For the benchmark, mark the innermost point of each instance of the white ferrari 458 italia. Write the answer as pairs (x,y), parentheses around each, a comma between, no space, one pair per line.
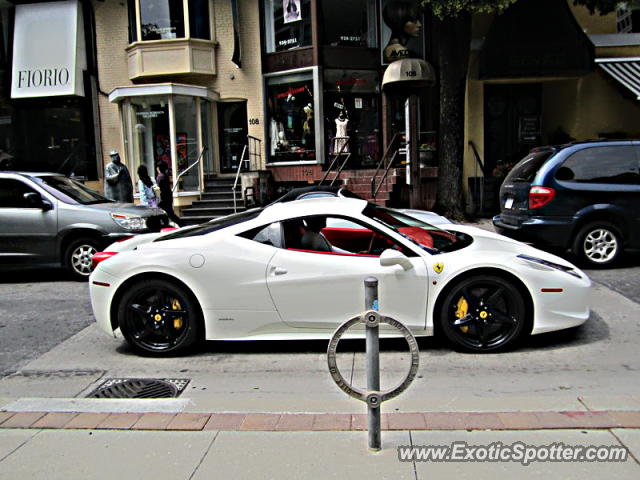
(296,270)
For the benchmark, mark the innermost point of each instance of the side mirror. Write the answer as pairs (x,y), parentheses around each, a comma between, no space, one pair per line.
(34,200)
(391,257)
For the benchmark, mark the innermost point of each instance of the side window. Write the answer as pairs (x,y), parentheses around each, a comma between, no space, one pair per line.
(335,235)
(268,235)
(12,193)
(615,164)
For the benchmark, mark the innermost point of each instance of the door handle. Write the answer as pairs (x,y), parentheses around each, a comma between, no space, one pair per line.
(278,270)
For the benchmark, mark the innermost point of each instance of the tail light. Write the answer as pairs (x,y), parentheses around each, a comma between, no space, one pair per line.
(540,196)
(101,257)
(167,229)
(124,239)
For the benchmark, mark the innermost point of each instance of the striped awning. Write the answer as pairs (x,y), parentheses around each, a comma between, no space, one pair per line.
(626,71)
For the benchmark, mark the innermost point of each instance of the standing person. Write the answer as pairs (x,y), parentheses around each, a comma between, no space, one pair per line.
(166,195)
(117,180)
(145,187)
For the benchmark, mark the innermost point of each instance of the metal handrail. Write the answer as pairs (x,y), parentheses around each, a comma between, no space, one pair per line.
(375,189)
(177,180)
(336,158)
(235,183)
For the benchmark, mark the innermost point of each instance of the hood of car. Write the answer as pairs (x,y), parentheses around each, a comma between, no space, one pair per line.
(126,208)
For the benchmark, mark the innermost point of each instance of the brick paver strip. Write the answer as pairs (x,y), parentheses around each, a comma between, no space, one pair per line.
(54,420)
(519,420)
(189,421)
(225,421)
(153,421)
(325,421)
(260,421)
(295,422)
(119,421)
(87,420)
(4,416)
(22,420)
(406,421)
(332,421)
(626,419)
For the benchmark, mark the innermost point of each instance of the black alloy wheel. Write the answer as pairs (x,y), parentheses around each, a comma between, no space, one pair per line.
(483,313)
(159,317)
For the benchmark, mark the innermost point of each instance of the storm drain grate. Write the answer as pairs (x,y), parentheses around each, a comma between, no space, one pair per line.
(140,388)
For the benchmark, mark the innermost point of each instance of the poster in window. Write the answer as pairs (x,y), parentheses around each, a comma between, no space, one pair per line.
(401,23)
(291,10)
(181,147)
(163,149)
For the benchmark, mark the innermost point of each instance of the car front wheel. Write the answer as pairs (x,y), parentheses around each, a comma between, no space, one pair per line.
(77,257)
(483,313)
(598,244)
(159,317)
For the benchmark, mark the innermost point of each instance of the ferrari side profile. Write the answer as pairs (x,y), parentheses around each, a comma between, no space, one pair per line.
(295,270)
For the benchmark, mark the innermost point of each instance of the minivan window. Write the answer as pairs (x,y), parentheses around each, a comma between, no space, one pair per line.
(526,169)
(611,164)
(12,193)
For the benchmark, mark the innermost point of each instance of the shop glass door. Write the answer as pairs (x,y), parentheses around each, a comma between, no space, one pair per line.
(232,124)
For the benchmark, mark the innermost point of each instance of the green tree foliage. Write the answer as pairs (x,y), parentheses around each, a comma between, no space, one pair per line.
(451,8)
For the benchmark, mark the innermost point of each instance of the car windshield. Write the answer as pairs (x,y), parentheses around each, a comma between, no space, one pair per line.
(213,225)
(65,188)
(425,235)
(526,169)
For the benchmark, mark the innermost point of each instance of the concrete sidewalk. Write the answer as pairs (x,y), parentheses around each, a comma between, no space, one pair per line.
(96,445)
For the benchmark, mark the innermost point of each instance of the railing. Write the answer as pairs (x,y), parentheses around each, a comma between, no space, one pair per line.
(344,143)
(254,149)
(181,174)
(394,146)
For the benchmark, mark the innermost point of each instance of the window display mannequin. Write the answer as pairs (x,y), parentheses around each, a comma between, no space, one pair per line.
(308,121)
(341,144)
(403,18)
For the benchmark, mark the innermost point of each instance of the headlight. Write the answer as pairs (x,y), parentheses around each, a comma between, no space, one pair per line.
(129,222)
(547,263)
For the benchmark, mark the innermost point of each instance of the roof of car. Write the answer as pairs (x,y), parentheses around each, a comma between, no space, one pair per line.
(31,174)
(313,206)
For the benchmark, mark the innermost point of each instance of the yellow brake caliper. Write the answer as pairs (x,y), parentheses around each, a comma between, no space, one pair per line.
(177,322)
(461,312)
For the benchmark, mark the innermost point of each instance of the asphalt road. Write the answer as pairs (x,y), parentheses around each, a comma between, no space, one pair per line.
(42,308)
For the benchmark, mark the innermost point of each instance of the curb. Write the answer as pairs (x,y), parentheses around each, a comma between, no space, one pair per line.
(313,422)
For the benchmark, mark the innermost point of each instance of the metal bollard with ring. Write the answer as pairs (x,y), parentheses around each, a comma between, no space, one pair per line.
(373,397)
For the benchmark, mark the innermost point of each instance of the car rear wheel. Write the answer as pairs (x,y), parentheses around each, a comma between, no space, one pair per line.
(483,313)
(598,244)
(77,257)
(159,317)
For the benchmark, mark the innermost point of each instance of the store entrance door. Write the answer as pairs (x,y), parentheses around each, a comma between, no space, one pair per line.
(232,124)
(512,122)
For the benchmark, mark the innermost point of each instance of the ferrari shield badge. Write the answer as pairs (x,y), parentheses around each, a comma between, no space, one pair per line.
(438,267)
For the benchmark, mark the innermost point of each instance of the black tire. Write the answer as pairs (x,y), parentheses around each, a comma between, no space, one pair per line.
(598,244)
(77,257)
(159,317)
(493,318)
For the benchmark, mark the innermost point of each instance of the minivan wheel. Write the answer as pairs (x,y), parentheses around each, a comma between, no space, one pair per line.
(598,244)
(77,257)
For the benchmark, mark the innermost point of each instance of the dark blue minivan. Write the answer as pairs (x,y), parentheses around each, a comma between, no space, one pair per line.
(583,196)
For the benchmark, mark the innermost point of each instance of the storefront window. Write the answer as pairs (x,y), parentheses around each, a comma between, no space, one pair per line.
(288,24)
(187,141)
(166,19)
(150,142)
(292,134)
(351,108)
(348,23)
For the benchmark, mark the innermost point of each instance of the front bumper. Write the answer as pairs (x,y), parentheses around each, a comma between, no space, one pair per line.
(544,231)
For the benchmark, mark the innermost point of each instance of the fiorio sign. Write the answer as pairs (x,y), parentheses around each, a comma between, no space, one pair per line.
(48,50)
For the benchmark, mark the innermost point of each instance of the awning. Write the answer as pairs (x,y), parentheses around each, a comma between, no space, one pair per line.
(120,93)
(626,71)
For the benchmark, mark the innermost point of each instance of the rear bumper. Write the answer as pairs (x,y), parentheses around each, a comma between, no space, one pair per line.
(550,232)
